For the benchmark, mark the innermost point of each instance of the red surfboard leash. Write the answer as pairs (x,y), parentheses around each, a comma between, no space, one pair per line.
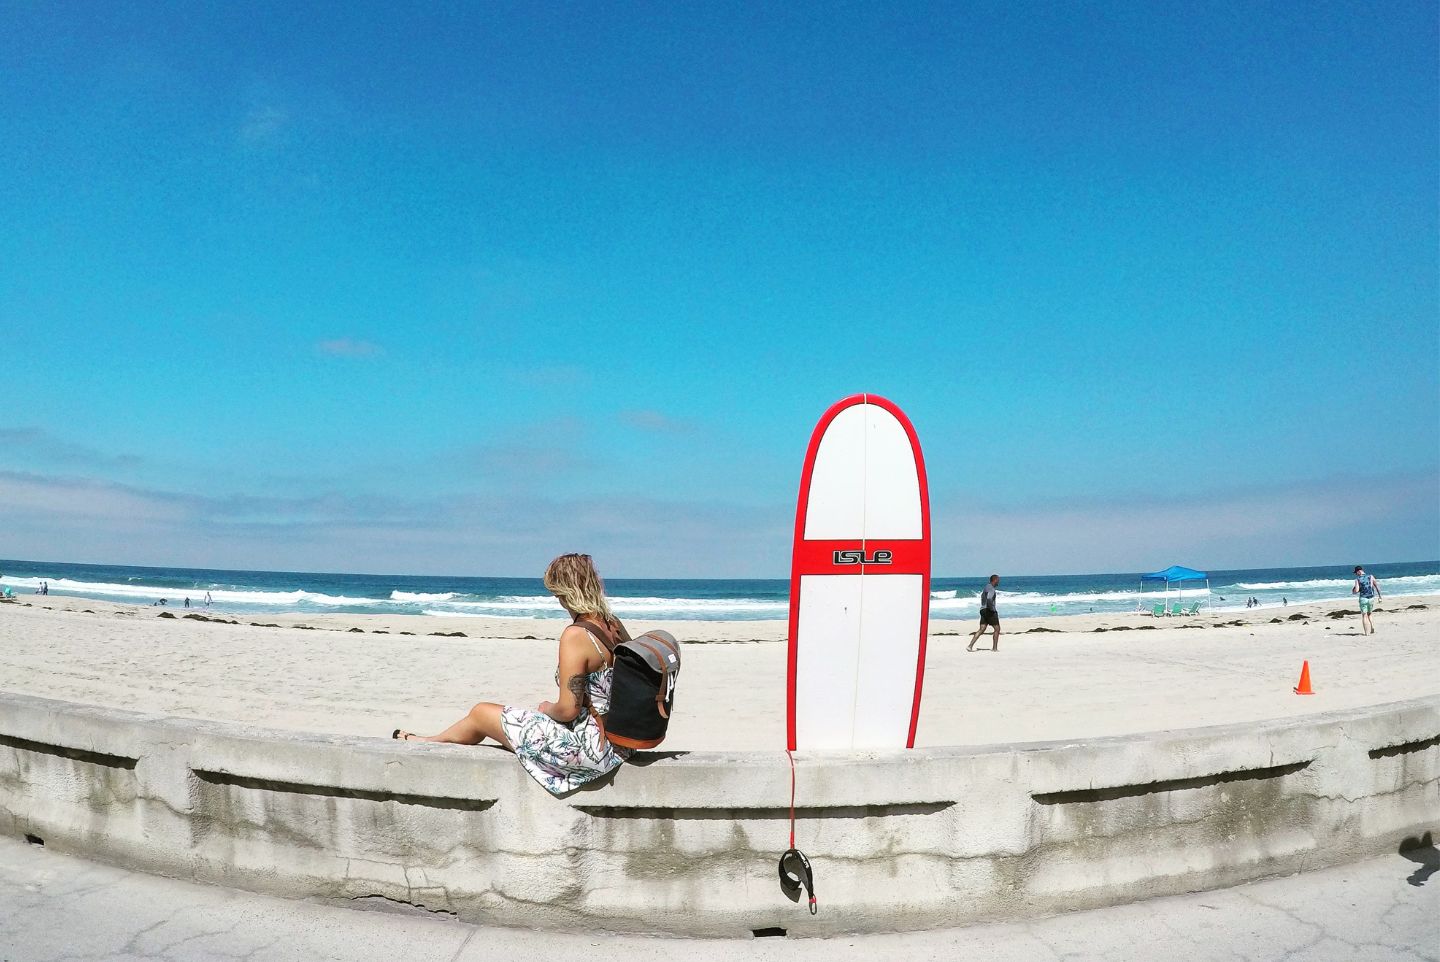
(790,755)
(795,869)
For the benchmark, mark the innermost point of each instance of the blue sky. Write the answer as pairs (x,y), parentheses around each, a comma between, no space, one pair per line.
(454,288)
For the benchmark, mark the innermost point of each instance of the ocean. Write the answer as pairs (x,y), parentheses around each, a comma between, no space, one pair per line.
(254,592)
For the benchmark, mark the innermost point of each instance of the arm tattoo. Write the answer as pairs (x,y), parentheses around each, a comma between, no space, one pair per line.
(576,684)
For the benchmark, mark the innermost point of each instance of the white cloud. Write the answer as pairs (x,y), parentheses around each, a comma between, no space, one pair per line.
(72,519)
(1391,518)
(515,530)
(45,447)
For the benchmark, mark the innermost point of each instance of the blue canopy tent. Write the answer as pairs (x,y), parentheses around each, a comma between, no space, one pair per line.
(1176,575)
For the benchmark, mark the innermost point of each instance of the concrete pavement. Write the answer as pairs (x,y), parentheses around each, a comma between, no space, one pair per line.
(55,908)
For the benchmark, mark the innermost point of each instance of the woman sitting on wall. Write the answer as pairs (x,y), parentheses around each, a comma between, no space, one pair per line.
(560,743)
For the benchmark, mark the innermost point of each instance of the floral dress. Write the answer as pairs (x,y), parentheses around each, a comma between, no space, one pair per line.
(562,756)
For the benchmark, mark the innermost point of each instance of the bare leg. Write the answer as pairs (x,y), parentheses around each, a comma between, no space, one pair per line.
(481,722)
(995,645)
(975,637)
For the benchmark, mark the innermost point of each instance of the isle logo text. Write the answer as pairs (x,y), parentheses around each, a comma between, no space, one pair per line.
(856,556)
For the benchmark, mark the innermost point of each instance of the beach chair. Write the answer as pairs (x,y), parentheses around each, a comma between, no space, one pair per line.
(1177,611)
(1159,611)
(1194,609)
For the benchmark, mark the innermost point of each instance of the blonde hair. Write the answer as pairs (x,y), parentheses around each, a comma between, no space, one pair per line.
(573,579)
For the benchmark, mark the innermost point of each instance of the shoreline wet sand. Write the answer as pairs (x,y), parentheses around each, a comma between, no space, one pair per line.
(1057,677)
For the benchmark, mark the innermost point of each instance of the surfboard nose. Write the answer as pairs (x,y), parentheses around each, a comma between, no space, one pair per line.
(865,480)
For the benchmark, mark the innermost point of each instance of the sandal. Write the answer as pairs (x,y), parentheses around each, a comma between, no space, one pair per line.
(401,735)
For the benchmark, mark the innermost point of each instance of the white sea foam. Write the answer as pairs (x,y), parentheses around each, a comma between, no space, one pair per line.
(641,605)
(1293,585)
(1410,584)
(624,604)
(1037,598)
(524,606)
(336,600)
(947,603)
(222,595)
(1079,597)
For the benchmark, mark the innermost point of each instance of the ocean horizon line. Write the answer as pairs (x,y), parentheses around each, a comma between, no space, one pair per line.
(1347,565)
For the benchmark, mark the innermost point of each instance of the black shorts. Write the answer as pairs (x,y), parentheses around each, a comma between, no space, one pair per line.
(989,616)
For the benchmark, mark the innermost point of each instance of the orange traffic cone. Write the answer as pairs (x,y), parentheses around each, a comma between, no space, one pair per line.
(1304,686)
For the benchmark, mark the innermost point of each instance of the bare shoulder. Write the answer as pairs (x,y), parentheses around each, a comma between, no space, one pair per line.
(574,635)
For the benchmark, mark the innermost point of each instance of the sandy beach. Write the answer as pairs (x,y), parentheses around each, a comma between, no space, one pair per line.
(1072,677)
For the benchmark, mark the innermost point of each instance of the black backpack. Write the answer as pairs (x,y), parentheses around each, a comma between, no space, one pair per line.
(642,688)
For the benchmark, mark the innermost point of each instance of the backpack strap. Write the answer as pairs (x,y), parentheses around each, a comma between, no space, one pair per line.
(609,645)
(606,636)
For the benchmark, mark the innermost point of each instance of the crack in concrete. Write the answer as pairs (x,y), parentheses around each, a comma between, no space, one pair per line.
(405,902)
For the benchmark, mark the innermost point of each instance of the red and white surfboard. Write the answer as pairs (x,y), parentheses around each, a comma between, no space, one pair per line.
(859,581)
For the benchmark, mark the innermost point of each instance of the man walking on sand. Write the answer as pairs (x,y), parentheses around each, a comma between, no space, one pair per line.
(989,617)
(1369,591)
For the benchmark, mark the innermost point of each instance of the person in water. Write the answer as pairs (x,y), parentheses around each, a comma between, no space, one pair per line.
(1369,591)
(560,743)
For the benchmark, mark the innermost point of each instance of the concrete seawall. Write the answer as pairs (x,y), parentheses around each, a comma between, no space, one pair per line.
(687,843)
